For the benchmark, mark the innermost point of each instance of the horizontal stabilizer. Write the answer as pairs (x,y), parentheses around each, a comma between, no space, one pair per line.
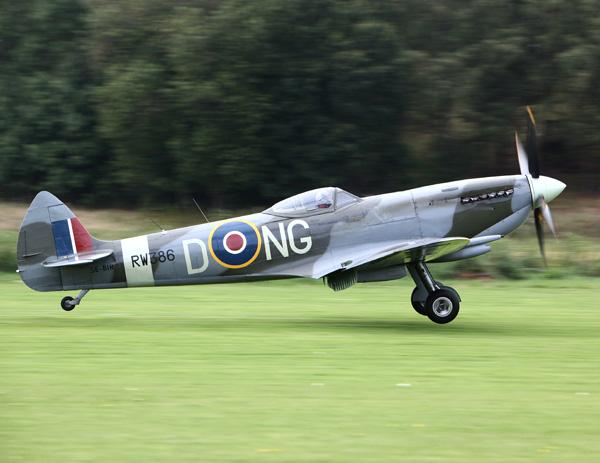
(77,259)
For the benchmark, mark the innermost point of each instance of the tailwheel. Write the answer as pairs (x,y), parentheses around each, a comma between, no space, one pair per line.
(442,305)
(67,303)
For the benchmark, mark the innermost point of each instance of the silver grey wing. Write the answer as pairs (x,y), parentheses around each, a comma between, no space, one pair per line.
(388,254)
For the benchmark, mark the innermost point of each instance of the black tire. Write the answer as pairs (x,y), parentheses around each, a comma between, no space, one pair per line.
(442,305)
(449,288)
(417,305)
(64,303)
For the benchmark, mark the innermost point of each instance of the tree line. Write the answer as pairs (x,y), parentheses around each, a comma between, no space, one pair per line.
(240,103)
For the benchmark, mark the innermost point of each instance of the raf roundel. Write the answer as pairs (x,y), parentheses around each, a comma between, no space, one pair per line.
(235,244)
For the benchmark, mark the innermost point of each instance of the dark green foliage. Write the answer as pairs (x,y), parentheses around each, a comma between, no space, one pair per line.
(241,103)
(8,261)
(47,137)
(508,268)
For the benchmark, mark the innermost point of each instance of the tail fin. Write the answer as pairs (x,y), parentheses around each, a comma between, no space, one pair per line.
(50,236)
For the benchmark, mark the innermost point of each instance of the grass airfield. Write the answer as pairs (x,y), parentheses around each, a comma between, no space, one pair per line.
(289,371)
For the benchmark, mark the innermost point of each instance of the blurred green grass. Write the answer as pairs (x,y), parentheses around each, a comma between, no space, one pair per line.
(291,372)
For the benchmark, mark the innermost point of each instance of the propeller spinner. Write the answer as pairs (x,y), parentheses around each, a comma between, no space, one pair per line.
(543,189)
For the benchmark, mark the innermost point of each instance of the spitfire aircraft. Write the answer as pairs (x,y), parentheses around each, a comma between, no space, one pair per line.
(324,233)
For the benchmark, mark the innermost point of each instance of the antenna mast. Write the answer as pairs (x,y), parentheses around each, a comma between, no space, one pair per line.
(200,209)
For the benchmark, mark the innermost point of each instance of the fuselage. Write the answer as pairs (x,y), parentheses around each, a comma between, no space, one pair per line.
(273,245)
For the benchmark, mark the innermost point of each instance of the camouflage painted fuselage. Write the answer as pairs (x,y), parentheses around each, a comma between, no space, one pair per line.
(274,245)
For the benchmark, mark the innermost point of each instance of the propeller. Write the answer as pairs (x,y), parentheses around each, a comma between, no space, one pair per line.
(544,189)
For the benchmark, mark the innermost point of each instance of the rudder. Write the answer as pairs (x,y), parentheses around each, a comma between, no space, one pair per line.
(49,230)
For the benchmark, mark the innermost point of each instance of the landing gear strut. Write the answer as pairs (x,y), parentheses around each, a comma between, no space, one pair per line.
(431,298)
(68,303)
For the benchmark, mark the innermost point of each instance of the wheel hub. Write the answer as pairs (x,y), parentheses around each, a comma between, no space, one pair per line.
(442,306)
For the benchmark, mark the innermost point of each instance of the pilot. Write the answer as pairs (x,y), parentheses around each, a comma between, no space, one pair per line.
(323,200)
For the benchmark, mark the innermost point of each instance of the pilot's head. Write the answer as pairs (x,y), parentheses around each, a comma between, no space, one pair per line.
(323,200)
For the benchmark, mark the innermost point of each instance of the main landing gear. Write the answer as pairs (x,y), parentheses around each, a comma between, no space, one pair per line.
(68,303)
(431,298)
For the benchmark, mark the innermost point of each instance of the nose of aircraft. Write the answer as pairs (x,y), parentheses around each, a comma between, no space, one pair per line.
(547,187)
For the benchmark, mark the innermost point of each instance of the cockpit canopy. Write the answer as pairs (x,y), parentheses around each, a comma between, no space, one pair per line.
(313,202)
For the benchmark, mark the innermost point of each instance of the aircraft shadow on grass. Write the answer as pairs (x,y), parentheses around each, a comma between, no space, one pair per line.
(265,326)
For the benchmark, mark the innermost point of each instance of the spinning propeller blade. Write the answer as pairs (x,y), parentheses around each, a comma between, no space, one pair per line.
(544,189)
(522,155)
(547,215)
(532,145)
(539,229)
